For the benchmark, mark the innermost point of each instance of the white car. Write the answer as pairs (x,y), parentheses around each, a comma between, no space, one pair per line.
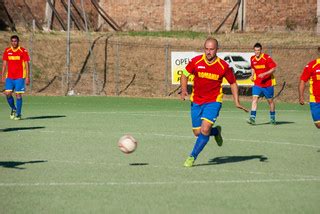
(240,67)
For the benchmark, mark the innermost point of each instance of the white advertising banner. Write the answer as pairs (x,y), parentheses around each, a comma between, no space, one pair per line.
(239,63)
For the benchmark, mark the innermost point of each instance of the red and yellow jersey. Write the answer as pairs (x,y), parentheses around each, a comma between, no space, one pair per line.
(312,72)
(208,78)
(16,59)
(260,65)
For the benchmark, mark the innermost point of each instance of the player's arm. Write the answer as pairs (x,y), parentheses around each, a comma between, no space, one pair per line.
(235,94)
(302,86)
(184,85)
(252,74)
(267,73)
(27,72)
(4,68)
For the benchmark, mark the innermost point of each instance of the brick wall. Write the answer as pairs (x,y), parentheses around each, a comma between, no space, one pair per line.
(195,15)
(206,15)
(262,15)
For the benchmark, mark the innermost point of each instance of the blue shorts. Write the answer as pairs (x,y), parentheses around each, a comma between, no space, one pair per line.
(207,111)
(16,85)
(268,92)
(315,112)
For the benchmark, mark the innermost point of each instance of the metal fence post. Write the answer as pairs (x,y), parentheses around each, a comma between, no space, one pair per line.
(167,46)
(31,54)
(117,69)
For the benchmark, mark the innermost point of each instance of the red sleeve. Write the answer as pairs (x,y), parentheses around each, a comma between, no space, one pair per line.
(190,66)
(271,63)
(306,74)
(229,75)
(25,55)
(251,62)
(5,55)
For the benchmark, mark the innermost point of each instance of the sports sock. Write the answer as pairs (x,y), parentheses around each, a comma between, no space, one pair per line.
(201,142)
(214,131)
(253,114)
(272,115)
(19,106)
(10,101)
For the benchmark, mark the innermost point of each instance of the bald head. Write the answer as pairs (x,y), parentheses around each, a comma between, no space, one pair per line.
(210,49)
(211,40)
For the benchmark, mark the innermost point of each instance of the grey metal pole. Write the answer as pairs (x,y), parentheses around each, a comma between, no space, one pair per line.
(31,54)
(68,47)
(167,69)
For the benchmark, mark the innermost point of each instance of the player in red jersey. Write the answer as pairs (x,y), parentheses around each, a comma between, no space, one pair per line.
(206,98)
(312,73)
(263,68)
(15,74)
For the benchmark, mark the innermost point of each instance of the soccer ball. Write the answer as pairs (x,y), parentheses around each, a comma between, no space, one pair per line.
(127,144)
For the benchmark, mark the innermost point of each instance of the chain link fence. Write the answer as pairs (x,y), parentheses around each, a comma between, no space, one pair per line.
(132,66)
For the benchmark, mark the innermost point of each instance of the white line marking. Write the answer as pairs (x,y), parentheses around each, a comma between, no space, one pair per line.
(234,139)
(192,137)
(182,168)
(133,183)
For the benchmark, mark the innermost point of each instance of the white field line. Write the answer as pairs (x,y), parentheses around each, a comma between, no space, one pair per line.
(159,112)
(154,183)
(192,137)
(235,139)
(183,168)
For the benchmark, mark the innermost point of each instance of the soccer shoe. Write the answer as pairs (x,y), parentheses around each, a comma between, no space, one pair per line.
(251,121)
(218,137)
(189,162)
(18,117)
(12,114)
(273,121)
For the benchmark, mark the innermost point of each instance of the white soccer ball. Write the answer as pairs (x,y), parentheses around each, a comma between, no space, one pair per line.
(127,144)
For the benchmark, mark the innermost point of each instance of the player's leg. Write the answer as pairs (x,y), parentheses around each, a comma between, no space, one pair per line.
(256,91)
(269,94)
(197,126)
(19,106)
(210,114)
(200,143)
(20,89)
(9,87)
(315,113)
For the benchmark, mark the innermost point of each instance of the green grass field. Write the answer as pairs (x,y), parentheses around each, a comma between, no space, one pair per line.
(63,158)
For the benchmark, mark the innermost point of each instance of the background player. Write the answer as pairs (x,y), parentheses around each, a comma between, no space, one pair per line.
(206,98)
(263,68)
(16,59)
(312,72)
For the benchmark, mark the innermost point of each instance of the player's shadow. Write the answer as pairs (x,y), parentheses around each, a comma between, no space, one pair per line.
(233,159)
(277,123)
(138,164)
(17,164)
(44,117)
(21,128)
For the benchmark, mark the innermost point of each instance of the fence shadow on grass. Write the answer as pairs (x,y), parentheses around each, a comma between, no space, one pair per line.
(44,117)
(17,164)
(233,159)
(20,128)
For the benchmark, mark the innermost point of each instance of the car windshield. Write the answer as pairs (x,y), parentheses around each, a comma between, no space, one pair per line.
(238,59)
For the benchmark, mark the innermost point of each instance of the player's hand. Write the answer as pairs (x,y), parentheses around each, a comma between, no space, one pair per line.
(301,100)
(239,106)
(27,81)
(261,75)
(183,95)
(252,78)
(3,79)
